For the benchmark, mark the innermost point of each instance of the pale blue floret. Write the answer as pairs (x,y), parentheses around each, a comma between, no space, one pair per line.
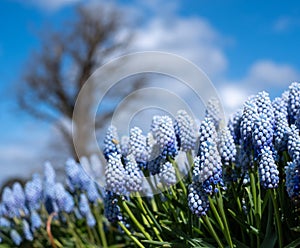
(63,199)
(184,127)
(15,236)
(4,222)
(115,174)
(26,230)
(213,111)
(268,171)
(138,146)
(167,174)
(133,178)
(293,102)
(208,167)
(35,220)
(34,192)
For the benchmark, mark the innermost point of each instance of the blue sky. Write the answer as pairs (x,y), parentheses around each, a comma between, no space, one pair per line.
(244,46)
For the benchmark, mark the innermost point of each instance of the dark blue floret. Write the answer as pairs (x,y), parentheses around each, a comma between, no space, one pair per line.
(197,199)
(234,125)
(111,209)
(111,142)
(292,171)
(293,102)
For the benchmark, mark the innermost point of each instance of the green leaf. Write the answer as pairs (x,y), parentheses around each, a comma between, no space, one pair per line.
(294,244)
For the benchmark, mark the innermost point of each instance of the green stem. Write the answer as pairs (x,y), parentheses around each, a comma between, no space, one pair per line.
(134,239)
(99,219)
(136,222)
(211,229)
(277,218)
(221,209)
(215,211)
(179,177)
(140,203)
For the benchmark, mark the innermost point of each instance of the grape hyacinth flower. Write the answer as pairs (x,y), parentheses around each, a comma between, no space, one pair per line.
(164,134)
(19,196)
(294,143)
(247,123)
(162,143)
(279,107)
(49,181)
(92,191)
(78,179)
(213,111)
(34,192)
(111,142)
(133,178)
(207,131)
(15,236)
(115,174)
(63,198)
(90,219)
(111,209)
(185,131)
(35,220)
(26,230)
(85,210)
(292,171)
(293,102)
(264,106)
(227,148)
(208,167)
(281,132)
(138,146)
(4,222)
(268,171)
(234,124)
(124,145)
(197,199)
(167,174)
(244,162)
(262,133)
(9,202)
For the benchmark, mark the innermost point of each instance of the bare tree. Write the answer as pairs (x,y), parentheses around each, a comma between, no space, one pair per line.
(68,56)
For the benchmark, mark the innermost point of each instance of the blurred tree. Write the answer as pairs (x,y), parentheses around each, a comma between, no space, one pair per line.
(68,56)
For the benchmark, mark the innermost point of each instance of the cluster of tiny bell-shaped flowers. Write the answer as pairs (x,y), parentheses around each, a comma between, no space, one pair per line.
(141,154)
(207,176)
(27,203)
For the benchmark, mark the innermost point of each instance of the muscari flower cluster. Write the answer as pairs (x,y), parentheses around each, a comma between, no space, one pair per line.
(142,155)
(21,208)
(207,170)
(255,138)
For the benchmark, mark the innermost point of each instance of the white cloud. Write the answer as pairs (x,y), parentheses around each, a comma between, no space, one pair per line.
(192,38)
(232,97)
(262,75)
(269,73)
